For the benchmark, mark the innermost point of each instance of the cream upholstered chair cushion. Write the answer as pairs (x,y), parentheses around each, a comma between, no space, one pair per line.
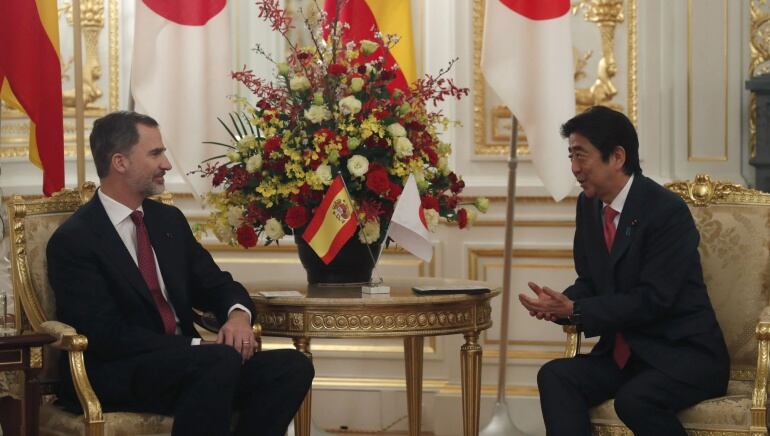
(54,422)
(734,225)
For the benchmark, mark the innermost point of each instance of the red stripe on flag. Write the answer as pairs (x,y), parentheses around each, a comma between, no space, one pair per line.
(363,25)
(538,9)
(29,62)
(187,12)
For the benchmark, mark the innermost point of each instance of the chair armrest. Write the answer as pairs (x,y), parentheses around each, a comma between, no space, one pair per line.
(759,396)
(573,340)
(74,344)
(257,329)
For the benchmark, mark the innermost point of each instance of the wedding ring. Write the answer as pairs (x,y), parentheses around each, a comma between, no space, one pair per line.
(246,342)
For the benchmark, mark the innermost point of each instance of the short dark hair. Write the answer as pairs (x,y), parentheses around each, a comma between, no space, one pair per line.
(606,129)
(115,133)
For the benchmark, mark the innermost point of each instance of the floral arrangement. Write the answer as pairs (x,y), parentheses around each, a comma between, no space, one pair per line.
(332,110)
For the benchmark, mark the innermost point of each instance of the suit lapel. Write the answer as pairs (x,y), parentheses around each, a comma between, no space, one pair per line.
(113,247)
(628,220)
(597,230)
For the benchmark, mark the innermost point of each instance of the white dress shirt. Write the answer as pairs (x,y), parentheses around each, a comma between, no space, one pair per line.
(120,217)
(620,200)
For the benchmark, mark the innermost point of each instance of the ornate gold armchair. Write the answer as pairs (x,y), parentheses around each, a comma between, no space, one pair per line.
(32,223)
(734,224)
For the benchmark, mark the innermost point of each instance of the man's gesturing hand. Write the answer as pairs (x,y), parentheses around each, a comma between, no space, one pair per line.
(237,333)
(549,304)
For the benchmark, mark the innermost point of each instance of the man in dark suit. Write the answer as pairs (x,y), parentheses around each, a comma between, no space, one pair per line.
(639,287)
(127,272)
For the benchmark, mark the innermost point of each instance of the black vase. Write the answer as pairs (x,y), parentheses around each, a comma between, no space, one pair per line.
(353,263)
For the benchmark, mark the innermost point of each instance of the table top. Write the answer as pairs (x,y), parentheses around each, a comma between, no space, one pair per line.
(351,295)
(344,311)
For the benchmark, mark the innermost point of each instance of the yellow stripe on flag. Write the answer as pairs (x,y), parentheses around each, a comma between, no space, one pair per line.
(395,17)
(332,224)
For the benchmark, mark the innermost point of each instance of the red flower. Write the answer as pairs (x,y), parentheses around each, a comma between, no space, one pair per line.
(271,145)
(246,236)
(263,104)
(457,186)
(377,179)
(296,217)
(393,192)
(256,214)
(337,69)
(462,218)
(219,175)
(432,155)
(429,202)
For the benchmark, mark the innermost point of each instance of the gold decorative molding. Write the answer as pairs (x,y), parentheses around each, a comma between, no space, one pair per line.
(703,192)
(759,46)
(36,357)
(606,14)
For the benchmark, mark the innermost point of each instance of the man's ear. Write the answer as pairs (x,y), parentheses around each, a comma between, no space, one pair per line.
(119,163)
(619,157)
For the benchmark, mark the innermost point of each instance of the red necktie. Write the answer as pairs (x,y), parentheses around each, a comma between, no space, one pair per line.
(146,260)
(621,352)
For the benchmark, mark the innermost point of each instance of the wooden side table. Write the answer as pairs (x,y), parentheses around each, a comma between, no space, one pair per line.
(343,312)
(25,353)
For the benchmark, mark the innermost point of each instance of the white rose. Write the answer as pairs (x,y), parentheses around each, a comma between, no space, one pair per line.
(324,173)
(316,114)
(235,216)
(443,165)
(234,156)
(246,143)
(350,105)
(274,229)
(356,84)
(358,165)
(369,233)
(368,47)
(224,232)
(396,130)
(254,163)
(431,218)
(299,83)
(403,146)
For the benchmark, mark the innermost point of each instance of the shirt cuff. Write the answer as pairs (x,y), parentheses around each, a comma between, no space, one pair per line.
(241,307)
(195,341)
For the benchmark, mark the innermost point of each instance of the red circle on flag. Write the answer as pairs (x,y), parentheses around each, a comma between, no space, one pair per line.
(539,9)
(187,12)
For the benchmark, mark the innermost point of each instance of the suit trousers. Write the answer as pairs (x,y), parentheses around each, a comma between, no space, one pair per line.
(646,400)
(201,386)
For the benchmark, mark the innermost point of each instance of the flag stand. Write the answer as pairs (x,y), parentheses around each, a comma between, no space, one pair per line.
(501,423)
(79,103)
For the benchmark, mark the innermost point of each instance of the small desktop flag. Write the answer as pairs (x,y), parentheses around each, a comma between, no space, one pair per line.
(408,227)
(333,223)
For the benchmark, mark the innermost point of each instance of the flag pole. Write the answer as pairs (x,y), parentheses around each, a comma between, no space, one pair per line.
(501,423)
(79,105)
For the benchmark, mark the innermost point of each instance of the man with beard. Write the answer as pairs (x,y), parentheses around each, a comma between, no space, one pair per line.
(639,287)
(127,273)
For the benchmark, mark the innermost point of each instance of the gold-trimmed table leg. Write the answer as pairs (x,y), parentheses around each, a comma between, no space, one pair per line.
(470,366)
(302,418)
(413,346)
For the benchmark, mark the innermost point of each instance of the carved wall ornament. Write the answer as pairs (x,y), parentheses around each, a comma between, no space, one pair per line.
(759,46)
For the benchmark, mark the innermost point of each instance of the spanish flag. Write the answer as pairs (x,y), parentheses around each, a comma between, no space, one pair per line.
(333,223)
(30,80)
(366,17)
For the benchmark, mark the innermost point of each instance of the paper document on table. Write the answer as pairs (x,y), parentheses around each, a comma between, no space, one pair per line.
(273,294)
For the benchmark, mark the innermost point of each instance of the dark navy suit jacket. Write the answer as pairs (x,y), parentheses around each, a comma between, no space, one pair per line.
(649,287)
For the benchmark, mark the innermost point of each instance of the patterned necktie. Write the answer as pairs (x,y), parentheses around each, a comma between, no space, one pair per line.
(146,260)
(621,351)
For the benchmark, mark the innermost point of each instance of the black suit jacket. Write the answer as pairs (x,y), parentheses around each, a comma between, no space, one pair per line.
(649,287)
(100,291)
